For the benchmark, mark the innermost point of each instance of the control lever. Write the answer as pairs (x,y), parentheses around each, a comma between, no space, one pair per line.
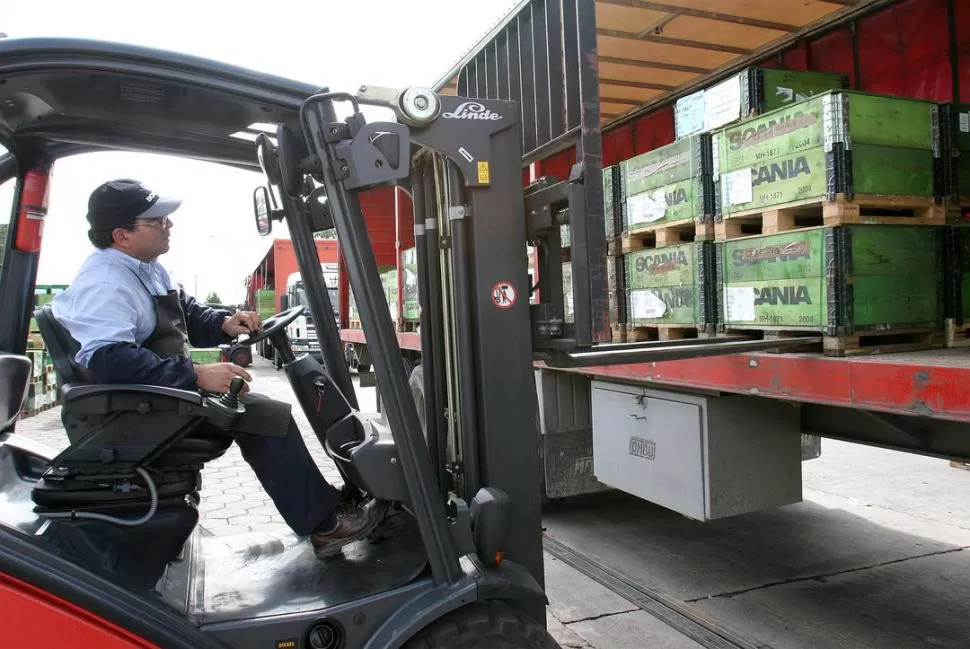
(226,408)
(231,399)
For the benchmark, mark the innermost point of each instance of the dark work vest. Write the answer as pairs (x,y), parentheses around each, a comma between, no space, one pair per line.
(170,338)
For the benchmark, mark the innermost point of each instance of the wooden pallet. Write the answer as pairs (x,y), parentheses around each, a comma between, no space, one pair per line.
(956,335)
(867,209)
(857,344)
(663,235)
(354,324)
(409,326)
(640,333)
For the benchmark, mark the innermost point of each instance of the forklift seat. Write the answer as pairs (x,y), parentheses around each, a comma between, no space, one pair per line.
(115,429)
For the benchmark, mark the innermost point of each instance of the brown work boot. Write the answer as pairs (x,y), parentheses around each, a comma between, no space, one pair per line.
(354,522)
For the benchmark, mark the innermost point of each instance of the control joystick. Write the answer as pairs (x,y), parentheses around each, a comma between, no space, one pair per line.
(231,399)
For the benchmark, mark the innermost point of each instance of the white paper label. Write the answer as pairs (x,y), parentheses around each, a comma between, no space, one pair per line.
(722,103)
(737,187)
(647,305)
(787,95)
(646,207)
(689,114)
(740,303)
(965,122)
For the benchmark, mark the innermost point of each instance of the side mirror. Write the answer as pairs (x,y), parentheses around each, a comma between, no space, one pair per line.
(264,221)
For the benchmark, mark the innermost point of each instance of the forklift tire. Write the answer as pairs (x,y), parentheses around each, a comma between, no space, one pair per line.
(483,626)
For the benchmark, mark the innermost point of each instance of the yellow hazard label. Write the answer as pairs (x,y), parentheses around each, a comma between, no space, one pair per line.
(483,172)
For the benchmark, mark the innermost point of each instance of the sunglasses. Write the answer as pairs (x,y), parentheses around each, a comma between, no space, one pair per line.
(156,224)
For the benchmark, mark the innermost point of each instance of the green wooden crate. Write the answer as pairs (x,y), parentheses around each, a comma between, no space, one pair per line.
(954,123)
(613,204)
(409,262)
(753,91)
(206,355)
(266,303)
(834,280)
(957,271)
(672,286)
(837,142)
(616,286)
(667,185)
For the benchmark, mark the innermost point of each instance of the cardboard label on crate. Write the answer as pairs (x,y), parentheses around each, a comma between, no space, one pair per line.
(737,187)
(784,303)
(797,254)
(722,102)
(689,114)
(965,122)
(646,207)
(739,302)
(775,135)
(668,164)
(781,181)
(646,304)
(673,266)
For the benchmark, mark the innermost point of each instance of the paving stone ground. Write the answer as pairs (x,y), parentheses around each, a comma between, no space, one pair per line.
(232,498)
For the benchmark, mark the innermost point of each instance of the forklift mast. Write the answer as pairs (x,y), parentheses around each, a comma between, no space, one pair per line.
(462,165)
(461,161)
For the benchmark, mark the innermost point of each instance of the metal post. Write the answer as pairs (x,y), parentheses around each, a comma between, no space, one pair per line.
(459,217)
(318,298)
(319,117)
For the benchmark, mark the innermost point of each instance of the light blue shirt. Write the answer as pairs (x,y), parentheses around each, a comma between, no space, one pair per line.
(108,304)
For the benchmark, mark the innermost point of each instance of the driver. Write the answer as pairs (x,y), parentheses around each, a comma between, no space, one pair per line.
(133,326)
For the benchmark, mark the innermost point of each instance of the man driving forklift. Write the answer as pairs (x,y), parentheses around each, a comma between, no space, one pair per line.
(133,326)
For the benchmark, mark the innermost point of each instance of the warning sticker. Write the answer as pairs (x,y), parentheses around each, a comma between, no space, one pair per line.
(483,172)
(503,295)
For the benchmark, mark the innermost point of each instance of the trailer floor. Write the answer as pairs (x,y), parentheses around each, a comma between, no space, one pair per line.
(874,557)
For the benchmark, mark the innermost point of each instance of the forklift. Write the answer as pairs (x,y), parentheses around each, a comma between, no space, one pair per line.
(100,543)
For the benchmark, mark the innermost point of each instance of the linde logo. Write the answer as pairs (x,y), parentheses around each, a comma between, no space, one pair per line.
(645,448)
(472,110)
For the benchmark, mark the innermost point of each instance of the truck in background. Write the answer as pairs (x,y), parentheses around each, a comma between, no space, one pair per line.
(302,332)
(275,283)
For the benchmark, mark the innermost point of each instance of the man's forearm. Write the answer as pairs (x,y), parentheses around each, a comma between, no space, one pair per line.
(204,324)
(128,363)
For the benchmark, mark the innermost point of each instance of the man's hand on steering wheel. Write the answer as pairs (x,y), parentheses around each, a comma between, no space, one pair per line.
(242,322)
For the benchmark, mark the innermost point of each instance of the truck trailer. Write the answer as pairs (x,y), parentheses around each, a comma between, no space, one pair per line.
(275,282)
(735,167)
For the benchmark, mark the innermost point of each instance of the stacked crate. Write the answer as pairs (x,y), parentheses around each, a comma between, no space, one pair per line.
(751,92)
(266,303)
(668,203)
(955,130)
(830,223)
(411,313)
(42,391)
(614,209)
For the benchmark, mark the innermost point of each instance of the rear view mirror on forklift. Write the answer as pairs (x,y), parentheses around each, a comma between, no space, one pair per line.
(261,209)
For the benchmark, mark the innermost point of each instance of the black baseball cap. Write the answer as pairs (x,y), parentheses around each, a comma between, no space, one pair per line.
(117,203)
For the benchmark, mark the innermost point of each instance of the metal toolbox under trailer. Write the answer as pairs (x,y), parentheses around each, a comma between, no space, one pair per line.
(703,457)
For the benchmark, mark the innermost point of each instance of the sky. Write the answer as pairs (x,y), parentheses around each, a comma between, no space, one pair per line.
(343,45)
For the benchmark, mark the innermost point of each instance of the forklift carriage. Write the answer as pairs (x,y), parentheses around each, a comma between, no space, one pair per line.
(107,530)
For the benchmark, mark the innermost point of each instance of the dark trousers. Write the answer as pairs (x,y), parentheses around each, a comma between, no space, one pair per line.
(285,468)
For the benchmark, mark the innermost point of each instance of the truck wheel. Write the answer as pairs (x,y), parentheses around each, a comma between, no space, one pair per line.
(483,626)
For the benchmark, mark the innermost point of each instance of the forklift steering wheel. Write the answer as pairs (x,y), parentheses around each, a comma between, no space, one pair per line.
(274,324)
